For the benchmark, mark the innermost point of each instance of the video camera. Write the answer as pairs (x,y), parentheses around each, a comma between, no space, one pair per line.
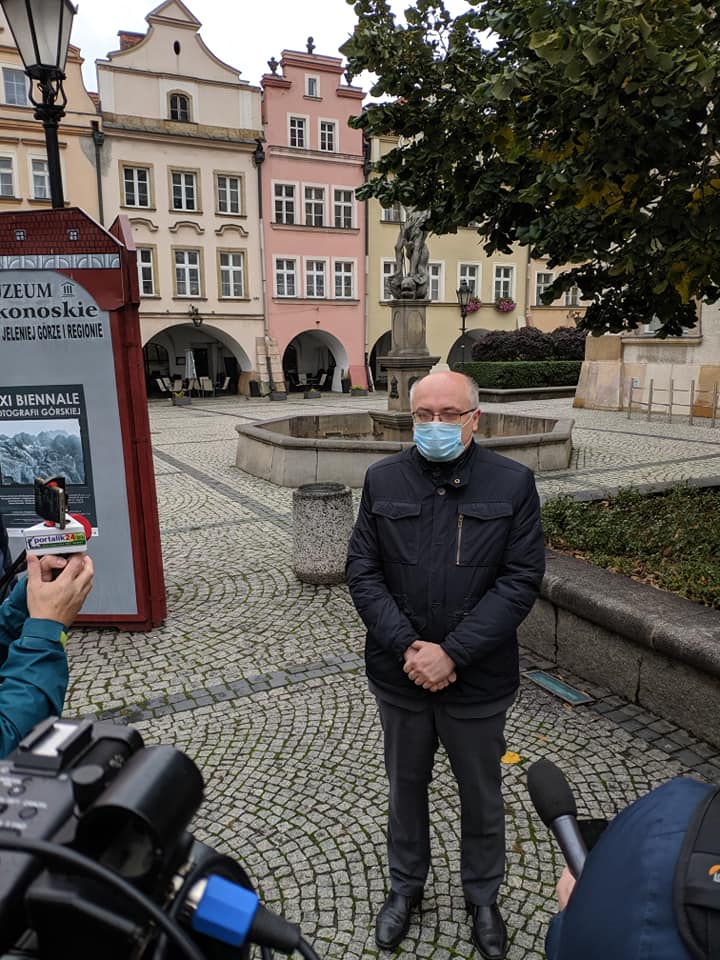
(96,859)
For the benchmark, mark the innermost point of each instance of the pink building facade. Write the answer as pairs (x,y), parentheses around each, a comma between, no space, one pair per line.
(314,229)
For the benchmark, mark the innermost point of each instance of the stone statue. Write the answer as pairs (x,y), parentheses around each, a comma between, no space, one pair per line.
(410,280)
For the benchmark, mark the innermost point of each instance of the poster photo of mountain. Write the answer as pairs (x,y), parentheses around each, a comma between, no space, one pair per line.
(43,433)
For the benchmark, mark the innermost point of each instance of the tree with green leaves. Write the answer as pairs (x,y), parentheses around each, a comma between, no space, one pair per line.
(586,130)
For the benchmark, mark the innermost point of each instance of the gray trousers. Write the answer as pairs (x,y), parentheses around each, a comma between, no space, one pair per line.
(474,747)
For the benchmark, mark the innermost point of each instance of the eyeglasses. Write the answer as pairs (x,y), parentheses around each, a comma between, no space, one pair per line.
(444,416)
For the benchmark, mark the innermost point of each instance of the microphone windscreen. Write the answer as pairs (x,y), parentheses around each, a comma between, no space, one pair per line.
(550,792)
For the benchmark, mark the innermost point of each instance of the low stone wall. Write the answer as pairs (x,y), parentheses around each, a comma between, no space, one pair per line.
(650,647)
(488,395)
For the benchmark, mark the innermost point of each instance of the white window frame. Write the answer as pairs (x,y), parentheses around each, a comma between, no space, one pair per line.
(187,267)
(315,201)
(135,181)
(436,278)
(305,145)
(285,199)
(44,172)
(20,73)
(285,273)
(571,297)
(184,175)
(393,214)
(311,273)
(309,78)
(542,285)
(463,274)
(500,281)
(344,261)
(343,204)
(232,270)
(237,177)
(11,172)
(146,270)
(322,135)
(387,269)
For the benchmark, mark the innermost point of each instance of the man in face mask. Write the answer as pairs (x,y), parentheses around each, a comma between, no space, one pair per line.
(445,561)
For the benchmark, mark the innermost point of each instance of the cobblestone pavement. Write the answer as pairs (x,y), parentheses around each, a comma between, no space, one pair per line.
(259,678)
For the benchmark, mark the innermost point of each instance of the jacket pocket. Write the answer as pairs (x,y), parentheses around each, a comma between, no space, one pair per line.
(482,532)
(398,530)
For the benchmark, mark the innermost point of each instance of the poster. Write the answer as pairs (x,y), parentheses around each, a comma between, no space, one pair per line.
(44,433)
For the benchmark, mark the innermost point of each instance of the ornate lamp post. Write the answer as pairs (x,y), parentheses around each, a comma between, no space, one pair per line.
(41,29)
(463,294)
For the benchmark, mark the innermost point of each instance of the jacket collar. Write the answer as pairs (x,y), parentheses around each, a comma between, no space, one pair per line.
(455,474)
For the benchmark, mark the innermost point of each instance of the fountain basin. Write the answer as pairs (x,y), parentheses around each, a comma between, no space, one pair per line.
(291,451)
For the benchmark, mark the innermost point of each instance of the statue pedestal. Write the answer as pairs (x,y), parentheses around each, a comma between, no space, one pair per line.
(408,360)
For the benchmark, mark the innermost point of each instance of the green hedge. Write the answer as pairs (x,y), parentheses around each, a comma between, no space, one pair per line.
(517,374)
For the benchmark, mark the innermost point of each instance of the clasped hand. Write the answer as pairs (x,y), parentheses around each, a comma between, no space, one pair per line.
(59,599)
(428,666)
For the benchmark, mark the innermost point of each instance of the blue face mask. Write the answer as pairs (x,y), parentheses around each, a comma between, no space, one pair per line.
(438,441)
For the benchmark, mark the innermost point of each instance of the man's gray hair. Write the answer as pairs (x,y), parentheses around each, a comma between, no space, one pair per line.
(473,391)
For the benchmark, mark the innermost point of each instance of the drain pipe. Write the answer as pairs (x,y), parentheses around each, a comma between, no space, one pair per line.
(98,139)
(366,305)
(259,159)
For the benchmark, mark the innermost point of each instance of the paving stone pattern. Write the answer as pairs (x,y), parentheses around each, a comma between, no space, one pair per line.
(259,678)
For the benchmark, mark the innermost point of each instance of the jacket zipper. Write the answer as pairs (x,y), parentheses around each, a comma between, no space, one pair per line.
(459,540)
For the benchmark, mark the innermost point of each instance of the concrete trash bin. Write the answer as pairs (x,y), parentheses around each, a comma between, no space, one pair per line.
(322,524)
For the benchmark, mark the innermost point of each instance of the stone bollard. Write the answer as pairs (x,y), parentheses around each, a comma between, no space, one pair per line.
(322,524)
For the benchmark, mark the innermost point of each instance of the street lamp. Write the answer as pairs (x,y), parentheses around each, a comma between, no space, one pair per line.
(41,29)
(463,294)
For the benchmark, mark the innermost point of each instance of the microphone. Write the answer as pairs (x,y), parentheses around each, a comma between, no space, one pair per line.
(554,802)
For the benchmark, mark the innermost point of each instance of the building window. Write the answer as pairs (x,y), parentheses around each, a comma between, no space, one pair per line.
(393,214)
(315,278)
(344,279)
(388,269)
(298,128)
(187,273)
(470,273)
(343,202)
(136,181)
(543,280)
(312,87)
(314,206)
(7,188)
(146,271)
(228,193)
(232,274)
(284,203)
(434,281)
(184,191)
(285,277)
(15,84)
(40,179)
(504,283)
(572,297)
(179,107)
(327,136)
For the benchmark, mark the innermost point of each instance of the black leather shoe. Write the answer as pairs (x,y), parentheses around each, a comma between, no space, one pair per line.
(488,931)
(393,921)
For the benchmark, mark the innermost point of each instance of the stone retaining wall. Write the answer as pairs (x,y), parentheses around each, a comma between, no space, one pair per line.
(650,647)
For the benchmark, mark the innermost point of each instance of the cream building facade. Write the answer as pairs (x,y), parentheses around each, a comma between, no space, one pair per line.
(24,181)
(181,133)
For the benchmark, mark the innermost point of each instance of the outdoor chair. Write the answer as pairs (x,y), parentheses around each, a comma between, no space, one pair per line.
(205,385)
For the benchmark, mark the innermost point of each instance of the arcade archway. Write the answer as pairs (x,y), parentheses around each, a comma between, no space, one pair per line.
(315,358)
(455,354)
(381,349)
(217,356)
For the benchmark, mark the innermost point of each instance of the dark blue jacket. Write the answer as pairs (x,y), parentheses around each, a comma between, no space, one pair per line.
(622,905)
(33,671)
(457,563)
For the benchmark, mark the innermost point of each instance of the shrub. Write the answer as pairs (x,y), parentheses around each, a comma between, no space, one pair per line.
(668,540)
(568,343)
(524,373)
(529,343)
